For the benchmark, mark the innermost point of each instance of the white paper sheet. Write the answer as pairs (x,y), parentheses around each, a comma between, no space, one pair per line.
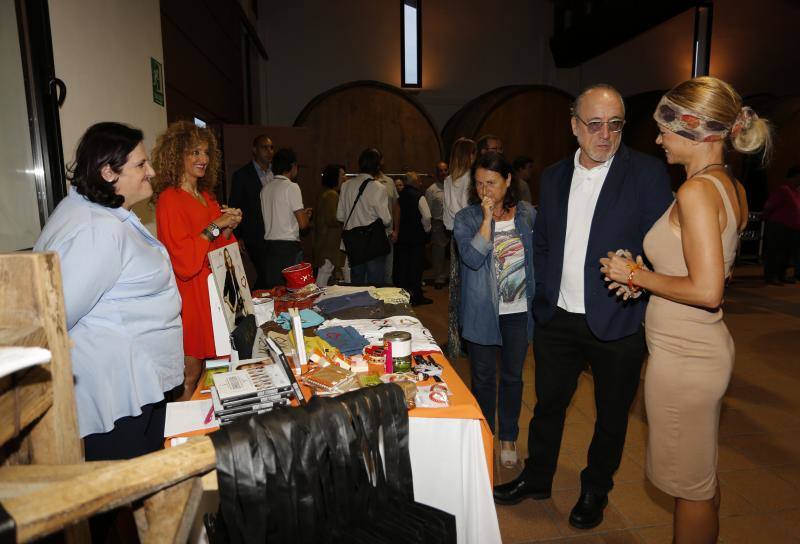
(264,310)
(184,417)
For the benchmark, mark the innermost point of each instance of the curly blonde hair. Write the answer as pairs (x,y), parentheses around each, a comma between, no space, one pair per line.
(170,152)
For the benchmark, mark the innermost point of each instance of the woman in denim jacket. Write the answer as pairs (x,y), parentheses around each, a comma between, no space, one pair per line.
(495,242)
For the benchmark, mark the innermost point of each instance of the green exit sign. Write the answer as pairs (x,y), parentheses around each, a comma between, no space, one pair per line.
(157,75)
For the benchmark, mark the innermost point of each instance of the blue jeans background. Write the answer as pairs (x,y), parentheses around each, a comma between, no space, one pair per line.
(369,273)
(483,363)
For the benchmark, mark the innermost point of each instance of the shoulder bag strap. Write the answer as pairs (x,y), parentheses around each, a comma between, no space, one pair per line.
(360,192)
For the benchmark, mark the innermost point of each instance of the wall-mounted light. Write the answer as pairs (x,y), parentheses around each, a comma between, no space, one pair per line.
(701,50)
(411,44)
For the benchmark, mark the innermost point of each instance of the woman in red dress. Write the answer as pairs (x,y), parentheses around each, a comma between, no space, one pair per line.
(191,223)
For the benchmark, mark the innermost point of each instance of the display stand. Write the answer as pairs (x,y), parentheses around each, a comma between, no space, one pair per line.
(227,276)
(222,336)
(44,485)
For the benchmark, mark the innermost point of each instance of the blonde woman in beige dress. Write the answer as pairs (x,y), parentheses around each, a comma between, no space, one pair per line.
(692,248)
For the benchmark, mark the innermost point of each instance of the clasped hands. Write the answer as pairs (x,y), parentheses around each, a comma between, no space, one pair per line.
(619,269)
(230,218)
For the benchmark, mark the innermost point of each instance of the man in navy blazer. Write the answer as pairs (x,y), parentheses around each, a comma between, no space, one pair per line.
(246,186)
(605,197)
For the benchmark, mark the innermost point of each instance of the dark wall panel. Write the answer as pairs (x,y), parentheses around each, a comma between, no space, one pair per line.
(203,60)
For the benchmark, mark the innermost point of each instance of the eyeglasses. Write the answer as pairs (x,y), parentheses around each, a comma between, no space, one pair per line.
(614,125)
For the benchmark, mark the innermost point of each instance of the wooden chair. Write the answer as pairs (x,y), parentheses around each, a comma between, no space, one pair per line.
(45,486)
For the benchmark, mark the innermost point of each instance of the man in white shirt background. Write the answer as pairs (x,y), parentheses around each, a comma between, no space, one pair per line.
(284,218)
(394,209)
(373,204)
(439,237)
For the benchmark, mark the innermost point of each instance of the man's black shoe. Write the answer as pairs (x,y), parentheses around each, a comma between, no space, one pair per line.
(517,490)
(588,512)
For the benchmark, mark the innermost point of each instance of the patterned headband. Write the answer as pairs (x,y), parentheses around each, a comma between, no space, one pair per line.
(689,124)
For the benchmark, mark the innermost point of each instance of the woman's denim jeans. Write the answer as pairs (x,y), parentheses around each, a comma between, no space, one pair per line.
(483,362)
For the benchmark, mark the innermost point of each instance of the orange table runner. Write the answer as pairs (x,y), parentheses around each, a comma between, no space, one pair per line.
(462,406)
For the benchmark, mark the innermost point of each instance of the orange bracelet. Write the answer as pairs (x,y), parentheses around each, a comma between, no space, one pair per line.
(633,268)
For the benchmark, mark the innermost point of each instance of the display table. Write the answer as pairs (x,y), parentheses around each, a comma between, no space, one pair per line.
(451,452)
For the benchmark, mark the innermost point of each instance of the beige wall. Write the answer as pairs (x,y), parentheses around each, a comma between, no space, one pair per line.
(656,59)
(473,46)
(468,47)
(753,47)
(102,51)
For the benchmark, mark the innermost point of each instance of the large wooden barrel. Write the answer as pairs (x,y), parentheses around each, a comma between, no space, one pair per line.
(351,117)
(347,119)
(531,120)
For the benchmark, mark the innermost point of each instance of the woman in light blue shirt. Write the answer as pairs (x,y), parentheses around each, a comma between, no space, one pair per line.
(122,303)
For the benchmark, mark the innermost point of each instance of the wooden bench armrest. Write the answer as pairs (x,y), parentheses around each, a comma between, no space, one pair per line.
(67,501)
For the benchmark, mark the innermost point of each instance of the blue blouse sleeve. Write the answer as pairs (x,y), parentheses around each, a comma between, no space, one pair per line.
(91,264)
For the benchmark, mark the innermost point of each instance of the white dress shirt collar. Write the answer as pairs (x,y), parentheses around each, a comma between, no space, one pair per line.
(578,166)
(583,194)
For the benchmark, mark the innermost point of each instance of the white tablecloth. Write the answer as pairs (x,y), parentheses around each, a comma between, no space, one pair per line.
(450,473)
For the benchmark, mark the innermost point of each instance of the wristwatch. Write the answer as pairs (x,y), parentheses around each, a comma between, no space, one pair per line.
(212,231)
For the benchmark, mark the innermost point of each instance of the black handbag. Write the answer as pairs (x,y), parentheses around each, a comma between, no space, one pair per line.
(365,243)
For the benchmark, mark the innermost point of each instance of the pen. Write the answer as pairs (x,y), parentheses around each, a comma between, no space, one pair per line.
(209,415)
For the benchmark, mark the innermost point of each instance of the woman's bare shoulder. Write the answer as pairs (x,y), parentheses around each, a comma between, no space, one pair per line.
(695,189)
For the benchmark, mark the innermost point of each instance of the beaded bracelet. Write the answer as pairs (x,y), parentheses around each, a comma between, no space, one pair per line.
(633,268)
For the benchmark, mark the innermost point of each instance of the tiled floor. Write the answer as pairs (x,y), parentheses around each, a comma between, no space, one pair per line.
(759,455)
